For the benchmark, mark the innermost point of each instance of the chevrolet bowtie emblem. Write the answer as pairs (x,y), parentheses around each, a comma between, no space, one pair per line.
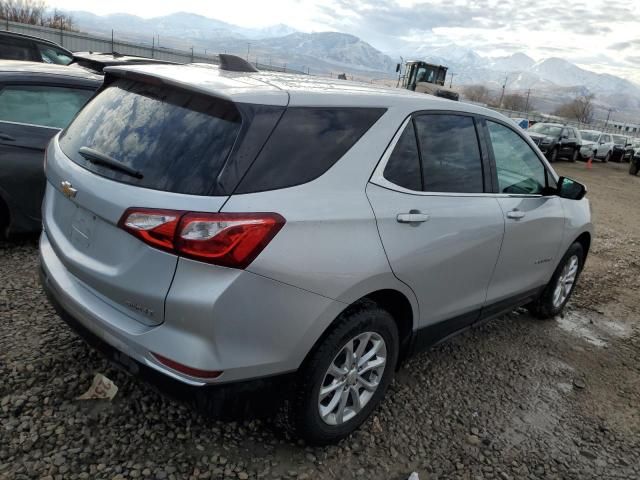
(68,190)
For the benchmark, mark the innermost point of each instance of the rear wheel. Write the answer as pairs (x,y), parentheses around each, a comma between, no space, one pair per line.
(633,165)
(554,155)
(607,157)
(558,291)
(346,376)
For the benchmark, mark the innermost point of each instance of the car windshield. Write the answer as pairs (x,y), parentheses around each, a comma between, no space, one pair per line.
(619,139)
(590,136)
(546,129)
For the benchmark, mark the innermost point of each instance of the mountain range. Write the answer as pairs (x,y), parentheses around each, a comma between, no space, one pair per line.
(324,52)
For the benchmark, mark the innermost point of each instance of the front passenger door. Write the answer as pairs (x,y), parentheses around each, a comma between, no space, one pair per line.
(534,225)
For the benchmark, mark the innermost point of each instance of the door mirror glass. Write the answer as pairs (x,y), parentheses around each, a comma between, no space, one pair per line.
(570,189)
(397,67)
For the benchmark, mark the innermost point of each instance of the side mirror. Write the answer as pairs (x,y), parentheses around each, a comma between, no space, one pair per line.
(570,189)
(397,67)
(628,145)
(564,136)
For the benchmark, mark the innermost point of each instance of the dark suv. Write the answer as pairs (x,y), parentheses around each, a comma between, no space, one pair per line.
(15,46)
(36,101)
(556,140)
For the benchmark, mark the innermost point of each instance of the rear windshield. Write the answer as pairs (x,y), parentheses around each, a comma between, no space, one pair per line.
(178,141)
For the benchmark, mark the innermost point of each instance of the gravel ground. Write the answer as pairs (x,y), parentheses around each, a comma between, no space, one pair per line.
(516,398)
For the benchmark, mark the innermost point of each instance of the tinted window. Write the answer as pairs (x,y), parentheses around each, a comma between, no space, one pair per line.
(450,154)
(178,140)
(403,167)
(519,169)
(54,55)
(15,49)
(41,105)
(305,144)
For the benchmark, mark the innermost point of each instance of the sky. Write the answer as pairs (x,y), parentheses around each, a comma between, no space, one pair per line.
(603,36)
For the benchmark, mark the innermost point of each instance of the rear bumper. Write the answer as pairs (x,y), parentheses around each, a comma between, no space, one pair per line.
(251,328)
(253,397)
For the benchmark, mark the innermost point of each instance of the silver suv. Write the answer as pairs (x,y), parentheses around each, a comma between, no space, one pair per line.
(233,229)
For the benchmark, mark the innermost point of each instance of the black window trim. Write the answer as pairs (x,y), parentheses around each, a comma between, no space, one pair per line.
(485,131)
(378,178)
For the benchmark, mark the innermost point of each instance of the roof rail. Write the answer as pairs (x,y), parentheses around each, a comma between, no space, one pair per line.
(233,63)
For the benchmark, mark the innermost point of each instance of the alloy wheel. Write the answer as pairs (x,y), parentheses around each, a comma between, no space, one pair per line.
(352,378)
(566,281)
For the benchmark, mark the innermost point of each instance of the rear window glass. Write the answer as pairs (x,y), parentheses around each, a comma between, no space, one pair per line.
(177,140)
(305,144)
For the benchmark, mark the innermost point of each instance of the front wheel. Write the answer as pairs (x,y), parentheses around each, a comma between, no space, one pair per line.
(558,291)
(633,165)
(607,157)
(554,155)
(346,376)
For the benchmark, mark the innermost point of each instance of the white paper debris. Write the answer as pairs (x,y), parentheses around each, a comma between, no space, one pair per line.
(413,476)
(101,388)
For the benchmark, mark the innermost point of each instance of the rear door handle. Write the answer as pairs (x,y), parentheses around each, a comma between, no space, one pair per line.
(412,217)
(8,138)
(515,214)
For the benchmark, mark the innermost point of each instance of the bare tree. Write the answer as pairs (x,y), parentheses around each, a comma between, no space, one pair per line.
(476,93)
(580,109)
(514,101)
(34,12)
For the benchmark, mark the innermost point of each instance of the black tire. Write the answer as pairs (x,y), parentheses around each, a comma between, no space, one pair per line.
(4,220)
(304,415)
(606,158)
(553,156)
(543,307)
(575,155)
(633,165)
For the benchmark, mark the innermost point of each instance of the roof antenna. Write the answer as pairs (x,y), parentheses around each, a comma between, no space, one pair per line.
(233,63)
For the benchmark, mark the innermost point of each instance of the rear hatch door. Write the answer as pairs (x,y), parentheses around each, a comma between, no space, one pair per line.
(177,141)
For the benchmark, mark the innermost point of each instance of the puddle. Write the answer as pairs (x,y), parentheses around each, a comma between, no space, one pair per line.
(592,327)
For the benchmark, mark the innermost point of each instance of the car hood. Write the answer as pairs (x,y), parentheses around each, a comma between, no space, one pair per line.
(537,135)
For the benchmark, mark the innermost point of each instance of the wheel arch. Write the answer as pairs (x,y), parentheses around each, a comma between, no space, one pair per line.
(584,239)
(393,301)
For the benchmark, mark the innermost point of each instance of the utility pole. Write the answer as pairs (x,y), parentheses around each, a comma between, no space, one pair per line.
(112,51)
(504,85)
(526,108)
(451,79)
(191,54)
(248,49)
(153,45)
(608,116)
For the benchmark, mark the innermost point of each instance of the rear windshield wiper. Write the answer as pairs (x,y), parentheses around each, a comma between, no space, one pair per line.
(101,159)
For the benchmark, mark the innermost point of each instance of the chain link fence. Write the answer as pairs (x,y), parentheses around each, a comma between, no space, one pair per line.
(82,42)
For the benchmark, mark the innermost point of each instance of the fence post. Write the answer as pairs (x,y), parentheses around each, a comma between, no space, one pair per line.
(191,54)
(153,45)
(7,24)
(112,50)
(61,36)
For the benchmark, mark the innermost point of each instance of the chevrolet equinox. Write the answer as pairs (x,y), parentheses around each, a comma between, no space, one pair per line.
(222,227)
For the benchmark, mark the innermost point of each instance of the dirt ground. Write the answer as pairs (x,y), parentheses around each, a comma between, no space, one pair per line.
(516,398)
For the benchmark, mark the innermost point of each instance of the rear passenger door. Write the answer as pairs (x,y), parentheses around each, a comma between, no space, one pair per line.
(439,228)
(30,115)
(534,218)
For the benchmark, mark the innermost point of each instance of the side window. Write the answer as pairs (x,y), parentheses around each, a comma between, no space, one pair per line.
(572,133)
(450,153)
(403,167)
(51,54)
(519,169)
(15,49)
(41,105)
(305,144)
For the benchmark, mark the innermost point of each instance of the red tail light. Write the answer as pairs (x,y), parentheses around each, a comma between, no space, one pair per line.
(228,239)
